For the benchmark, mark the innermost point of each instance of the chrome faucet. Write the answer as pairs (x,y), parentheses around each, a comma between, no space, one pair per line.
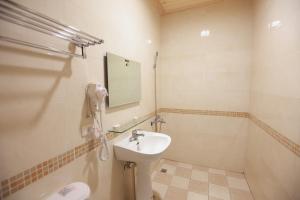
(135,135)
(158,119)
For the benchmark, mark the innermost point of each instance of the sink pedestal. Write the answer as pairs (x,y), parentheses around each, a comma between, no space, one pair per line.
(143,182)
(143,150)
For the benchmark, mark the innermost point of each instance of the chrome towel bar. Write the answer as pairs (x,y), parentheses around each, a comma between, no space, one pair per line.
(20,15)
(37,46)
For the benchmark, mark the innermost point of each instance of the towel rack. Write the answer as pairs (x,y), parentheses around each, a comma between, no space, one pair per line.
(18,14)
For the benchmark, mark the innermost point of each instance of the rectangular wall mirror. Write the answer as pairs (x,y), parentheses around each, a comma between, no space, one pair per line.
(123,79)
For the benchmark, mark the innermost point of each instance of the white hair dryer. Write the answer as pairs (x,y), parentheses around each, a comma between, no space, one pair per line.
(96,94)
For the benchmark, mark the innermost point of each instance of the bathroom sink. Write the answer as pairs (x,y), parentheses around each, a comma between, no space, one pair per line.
(145,149)
(142,150)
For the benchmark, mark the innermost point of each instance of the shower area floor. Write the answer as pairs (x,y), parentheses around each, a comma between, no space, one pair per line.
(173,180)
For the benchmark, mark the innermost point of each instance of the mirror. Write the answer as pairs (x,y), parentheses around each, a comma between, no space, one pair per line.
(123,79)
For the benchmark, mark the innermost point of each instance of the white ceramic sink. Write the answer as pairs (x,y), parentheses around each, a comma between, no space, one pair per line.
(146,149)
(142,151)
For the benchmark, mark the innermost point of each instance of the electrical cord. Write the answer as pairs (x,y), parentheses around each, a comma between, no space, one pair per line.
(98,131)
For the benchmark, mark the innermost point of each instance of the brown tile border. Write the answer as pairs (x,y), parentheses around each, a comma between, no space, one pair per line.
(286,142)
(28,176)
(205,112)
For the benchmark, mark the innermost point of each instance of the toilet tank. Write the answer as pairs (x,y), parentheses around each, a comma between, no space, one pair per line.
(73,191)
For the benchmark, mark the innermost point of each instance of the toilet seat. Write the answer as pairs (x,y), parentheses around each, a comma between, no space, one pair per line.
(73,191)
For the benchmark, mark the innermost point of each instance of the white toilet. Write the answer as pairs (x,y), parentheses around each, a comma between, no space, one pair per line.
(73,191)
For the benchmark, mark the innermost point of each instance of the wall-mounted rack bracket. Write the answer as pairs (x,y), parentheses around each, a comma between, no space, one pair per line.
(83,52)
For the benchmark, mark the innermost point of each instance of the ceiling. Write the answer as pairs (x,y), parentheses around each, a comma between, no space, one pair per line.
(170,6)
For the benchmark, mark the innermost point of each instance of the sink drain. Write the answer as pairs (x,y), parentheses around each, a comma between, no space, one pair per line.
(163,170)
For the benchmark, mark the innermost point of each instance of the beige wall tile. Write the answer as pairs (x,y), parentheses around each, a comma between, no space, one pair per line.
(43,97)
(213,141)
(207,72)
(86,168)
(271,169)
(275,81)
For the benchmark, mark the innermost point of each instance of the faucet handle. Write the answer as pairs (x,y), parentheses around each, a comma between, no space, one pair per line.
(135,131)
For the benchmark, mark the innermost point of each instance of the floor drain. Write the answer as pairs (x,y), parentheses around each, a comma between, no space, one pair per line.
(163,170)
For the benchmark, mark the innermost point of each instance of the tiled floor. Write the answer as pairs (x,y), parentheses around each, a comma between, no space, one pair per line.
(190,182)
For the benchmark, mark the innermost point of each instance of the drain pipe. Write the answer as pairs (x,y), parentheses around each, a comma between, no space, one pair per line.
(129,169)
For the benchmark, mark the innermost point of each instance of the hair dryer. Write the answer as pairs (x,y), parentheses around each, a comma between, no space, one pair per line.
(96,94)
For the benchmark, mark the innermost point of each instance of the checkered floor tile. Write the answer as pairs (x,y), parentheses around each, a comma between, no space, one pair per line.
(181,181)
